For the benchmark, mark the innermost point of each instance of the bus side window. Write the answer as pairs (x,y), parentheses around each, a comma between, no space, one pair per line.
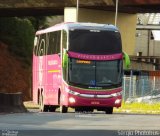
(36,45)
(57,43)
(51,47)
(42,45)
(36,40)
(54,43)
(64,40)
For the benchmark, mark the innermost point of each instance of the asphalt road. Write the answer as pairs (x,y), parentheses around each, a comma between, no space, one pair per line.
(79,124)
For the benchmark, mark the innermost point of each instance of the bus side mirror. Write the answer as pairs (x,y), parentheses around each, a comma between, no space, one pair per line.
(65,58)
(127,61)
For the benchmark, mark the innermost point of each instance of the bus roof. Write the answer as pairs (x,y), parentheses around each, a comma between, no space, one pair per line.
(79,26)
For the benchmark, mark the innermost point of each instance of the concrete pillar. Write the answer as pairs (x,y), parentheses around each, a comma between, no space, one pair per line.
(126,23)
(70,14)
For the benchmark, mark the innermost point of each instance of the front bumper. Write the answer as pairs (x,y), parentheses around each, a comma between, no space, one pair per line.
(74,99)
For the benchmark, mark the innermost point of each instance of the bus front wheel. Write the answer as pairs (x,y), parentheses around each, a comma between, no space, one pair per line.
(63,109)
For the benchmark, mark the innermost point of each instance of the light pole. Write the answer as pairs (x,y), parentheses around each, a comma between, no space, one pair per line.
(77,10)
(116,14)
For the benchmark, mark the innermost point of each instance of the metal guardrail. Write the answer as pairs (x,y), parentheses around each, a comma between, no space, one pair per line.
(141,84)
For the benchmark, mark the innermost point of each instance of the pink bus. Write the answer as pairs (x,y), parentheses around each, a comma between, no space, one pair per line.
(78,65)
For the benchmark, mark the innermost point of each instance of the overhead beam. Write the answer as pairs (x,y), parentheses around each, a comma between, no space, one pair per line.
(148,27)
(56,7)
(10,12)
(139,2)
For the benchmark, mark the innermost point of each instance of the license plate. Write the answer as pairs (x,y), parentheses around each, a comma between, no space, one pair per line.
(95,102)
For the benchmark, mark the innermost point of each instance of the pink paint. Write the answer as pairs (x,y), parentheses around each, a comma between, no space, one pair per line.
(94,57)
(47,78)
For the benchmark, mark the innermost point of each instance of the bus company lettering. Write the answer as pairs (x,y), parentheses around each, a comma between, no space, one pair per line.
(95,57)
(52,62)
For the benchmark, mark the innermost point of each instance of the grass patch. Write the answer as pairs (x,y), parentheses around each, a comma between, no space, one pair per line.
(143,108)
(30,105)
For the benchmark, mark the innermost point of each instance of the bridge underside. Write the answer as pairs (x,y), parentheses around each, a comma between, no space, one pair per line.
(9,12)
(56,7)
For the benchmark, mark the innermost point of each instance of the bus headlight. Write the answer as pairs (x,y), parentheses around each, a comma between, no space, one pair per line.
(118,101)
(116,94)
(71,92)
(72,100)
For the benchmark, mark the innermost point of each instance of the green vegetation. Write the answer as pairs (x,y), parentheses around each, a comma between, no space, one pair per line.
(30,105)
(38,22)
(144,108)
(18,34)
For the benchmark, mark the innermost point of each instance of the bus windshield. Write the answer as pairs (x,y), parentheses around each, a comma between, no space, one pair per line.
(95,42)
(86,73)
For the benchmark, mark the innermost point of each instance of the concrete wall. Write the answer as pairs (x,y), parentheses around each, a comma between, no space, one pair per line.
(126,23)
(142,44)
(154,48)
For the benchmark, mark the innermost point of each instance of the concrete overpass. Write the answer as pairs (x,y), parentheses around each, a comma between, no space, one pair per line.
(99,11)
(56,7)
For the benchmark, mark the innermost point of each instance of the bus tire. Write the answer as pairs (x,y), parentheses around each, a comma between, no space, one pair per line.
(43,108)
(84,109)
(38,97)
(109,110)
(52,108)
(63,109)
(79,109)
